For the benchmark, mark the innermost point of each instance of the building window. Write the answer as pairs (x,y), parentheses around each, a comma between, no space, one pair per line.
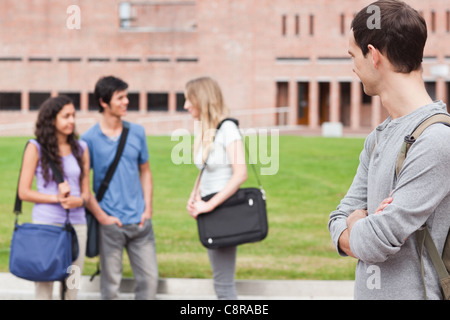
(128,59)
(37,98)
(297,25)
(9,59)
(92,102)
(433,21)
(158,59)
(39,59)
(293,60)
(186,59)
(311,25)
(448,20)
(75,96)
(180,102)
(133,98)
(10,100)
(158,101)
(69,59)
(283,24)
(99,59)
(342,24)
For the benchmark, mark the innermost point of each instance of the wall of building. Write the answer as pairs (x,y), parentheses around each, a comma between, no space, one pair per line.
(265,54)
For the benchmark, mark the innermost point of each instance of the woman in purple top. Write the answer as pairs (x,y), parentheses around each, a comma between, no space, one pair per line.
(55,131)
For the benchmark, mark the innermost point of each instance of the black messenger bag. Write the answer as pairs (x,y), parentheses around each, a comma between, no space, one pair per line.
(240,219)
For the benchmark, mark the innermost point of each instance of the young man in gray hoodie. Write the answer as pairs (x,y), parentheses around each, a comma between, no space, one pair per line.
(376,221)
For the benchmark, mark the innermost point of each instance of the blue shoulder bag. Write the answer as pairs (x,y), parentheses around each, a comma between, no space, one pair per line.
(42,252)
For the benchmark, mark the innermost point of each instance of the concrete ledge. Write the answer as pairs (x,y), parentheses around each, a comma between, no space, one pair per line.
(13,288)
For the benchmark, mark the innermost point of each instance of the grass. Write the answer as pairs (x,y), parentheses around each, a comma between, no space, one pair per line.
(314,174)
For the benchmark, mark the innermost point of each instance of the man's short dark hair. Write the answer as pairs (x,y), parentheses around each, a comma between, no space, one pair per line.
(401,35)
(105,88)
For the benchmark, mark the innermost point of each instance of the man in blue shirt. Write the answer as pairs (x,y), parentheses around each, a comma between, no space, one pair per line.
(128,196)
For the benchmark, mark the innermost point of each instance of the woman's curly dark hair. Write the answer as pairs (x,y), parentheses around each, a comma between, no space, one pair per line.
(46,136)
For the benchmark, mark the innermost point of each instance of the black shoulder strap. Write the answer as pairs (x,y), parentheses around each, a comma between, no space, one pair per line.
(58,176)
(217,129)
(18,202)
(109,174)
(246,148)
(236,121)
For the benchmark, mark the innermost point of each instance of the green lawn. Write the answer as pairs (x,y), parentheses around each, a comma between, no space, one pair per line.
(314,174)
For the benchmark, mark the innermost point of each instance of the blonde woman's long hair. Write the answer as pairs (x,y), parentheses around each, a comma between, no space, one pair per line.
(205,95)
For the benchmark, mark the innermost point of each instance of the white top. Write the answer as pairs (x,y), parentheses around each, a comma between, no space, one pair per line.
(218,170)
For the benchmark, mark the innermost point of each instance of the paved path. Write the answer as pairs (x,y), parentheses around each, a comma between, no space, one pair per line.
(13,288)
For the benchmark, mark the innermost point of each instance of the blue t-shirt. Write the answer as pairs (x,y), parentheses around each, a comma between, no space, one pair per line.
(124,197)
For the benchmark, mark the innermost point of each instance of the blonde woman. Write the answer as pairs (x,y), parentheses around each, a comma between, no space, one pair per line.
(225,171)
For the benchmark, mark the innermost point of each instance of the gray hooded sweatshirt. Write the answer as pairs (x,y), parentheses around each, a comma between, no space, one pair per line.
(385,244)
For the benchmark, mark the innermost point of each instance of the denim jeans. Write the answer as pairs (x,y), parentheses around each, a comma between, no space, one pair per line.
(140,245)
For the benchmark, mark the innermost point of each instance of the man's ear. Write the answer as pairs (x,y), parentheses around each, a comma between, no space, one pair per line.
(103,104)
(375,56)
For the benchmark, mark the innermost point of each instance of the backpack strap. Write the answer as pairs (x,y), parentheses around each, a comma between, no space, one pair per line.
(424,239)
(443,118)
(423,235)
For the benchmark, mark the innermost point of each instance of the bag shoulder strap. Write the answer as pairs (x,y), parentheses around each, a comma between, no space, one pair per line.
(424,239)
(423,235)
(18,201)
(443,118)
(246,148)
(217,129)
(236,121)
(112,168)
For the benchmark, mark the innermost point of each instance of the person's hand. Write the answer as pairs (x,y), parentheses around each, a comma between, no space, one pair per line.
(70,202)
(191,208)
(383,205)
(198,207)
(354,217)
(107,220)
(190,205)
(146,215)
(63,190)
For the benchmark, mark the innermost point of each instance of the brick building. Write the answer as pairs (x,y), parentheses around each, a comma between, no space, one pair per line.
(281,62)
